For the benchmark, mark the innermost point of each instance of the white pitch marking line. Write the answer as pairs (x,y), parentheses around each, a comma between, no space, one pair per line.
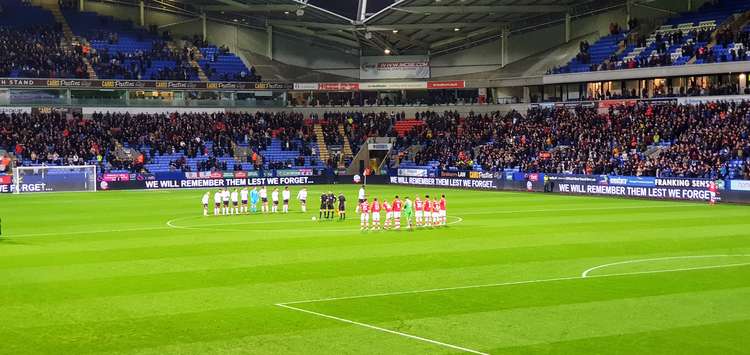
(584,275)
(431,341)
(527,281)
(171,225)
(587,271)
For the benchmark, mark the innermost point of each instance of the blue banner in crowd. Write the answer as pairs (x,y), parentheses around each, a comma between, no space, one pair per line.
(638,181)
(634,186)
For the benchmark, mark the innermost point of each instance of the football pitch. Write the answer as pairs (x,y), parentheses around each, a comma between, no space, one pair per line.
(143,272)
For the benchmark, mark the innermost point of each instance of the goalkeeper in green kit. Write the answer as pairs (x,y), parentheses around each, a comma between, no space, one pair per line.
(408,210)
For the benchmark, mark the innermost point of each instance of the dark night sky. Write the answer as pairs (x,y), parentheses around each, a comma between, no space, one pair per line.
(348,8)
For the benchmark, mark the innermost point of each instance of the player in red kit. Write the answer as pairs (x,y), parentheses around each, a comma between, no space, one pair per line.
(375,208)
(435,212)
(418,210)
(712,191)
(427,207)
(364,214)
(388,214)
(443,212)
(397,212)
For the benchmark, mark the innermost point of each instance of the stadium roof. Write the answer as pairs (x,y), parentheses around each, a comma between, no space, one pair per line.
(402,26)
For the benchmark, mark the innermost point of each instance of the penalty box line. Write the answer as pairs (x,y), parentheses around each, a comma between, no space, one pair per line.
(584,275)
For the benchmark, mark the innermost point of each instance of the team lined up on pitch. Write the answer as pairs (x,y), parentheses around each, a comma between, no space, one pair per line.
(430,212)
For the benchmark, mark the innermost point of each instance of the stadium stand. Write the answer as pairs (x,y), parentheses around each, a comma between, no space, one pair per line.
(32,45)
(643,140)
(698,37)
(708,141)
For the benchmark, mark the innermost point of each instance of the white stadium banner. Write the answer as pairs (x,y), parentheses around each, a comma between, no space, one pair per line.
(394,67)
(306,86)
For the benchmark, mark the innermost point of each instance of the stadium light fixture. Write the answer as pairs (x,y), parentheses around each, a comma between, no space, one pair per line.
(387,51)
(300,12)
(395,31)
(456,29)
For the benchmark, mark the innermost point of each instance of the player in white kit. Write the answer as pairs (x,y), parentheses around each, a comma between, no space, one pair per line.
(275,200)
(204,201)
(264,200)
(217,202)
(302,197)
(243,197)
(225,195)
(361,196)
(285,196)
(235,202)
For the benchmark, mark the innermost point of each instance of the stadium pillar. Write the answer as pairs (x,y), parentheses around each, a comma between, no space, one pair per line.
(203,25)
(628,9)
(269,42)
(567,27)
(690,5)
(142,12)
(81,5)
(504,46)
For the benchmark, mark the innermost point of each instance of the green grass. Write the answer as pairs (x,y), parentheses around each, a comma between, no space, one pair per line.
(104,273)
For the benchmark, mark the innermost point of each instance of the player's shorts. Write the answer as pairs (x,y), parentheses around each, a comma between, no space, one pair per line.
(286,202)
(235,203)
(407,215)
(329,206)
(389,215)
(205,205)
(442,213)
(396,214)
(244,202)
(376,216)
(361,200)
(342,208)
(264,199)
(217,204)
(254,202)
(276,203)
(364,217)
(418,214)
(322,206)
(226,203)
(303,201)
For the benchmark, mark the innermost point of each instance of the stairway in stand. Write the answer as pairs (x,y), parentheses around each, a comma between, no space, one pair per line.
(346,150)
(193,63)
(54,7)
(323,154)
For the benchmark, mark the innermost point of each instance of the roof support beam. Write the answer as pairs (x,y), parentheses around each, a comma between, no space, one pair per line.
(311,33)
(482,9)
(230,5)
(464,37)
(449,26)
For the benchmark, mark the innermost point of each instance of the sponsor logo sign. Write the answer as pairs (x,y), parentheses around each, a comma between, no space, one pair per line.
(394,67)
(739,185)
(412,172)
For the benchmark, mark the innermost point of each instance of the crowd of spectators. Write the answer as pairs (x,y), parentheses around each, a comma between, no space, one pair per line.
(38,52)
(700,140)
(64,139)
(643,139)
(135,65)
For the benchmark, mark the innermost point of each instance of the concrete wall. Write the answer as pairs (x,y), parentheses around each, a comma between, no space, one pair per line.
(316,57)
